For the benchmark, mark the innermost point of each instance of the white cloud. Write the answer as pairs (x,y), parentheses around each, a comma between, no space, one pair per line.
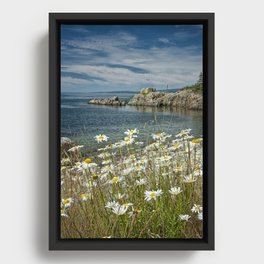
(171,65)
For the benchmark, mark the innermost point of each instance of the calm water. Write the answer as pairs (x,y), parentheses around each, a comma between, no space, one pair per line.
(81,121)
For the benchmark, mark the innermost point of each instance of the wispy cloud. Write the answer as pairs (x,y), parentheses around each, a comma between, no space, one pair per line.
(123,60)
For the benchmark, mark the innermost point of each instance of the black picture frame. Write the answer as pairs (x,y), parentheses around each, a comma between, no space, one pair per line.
(55,20)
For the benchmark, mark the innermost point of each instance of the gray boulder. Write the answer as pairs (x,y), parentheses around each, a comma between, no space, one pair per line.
(114,101)
(184,99)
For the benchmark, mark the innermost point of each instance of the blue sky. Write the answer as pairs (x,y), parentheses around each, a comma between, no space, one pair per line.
(129,57)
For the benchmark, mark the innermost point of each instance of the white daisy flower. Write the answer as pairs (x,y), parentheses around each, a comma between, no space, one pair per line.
(63,213)
(128,140)
(119,196)
(197,208)
(189,179)
(85,196)
(111,205)
(138,168)
(121,209)
(200,216)
(115,180)
(76,148)
(127,171)
(106,161)
(104,155)
(101,138)
(108,168)
(175,190)
(184,217)
(184,133)
(132,132)
(165,158)
(141,182)
(66,202)
(149,195)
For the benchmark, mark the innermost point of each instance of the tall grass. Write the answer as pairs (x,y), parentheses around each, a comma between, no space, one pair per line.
(131,189)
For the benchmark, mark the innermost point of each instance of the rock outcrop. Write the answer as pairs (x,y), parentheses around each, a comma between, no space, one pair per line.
(183,99)
(115,101)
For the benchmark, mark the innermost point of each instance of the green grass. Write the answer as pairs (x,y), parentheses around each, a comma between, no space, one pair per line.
(89,183)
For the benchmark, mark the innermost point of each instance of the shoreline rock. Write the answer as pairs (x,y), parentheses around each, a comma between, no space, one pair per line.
(182,99)
(114,101)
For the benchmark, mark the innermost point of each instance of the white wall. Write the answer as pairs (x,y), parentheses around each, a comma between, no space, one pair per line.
(239,131)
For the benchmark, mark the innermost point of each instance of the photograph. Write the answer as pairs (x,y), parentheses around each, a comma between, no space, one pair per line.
(131,131)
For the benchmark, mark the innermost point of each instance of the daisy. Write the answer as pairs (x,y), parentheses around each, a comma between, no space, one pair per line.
(184,217)
(111,205)
(127,171)
(101,138)
(106,161)
(139,168)
(119,196)
(116,180)
(189,179)
(197,140)
(128,140)
(104,155)
(121,209)
(174,147)
(149,195)
(184,133)
(177,168)
(87,161)
(65,161)
(84,196)
(85,166)
(132,132)
(197,208)
(66,202)
(157,136)
(175,190)
(200,216)
(165,158)
(141,182)
(108,168)
(76,148)
(63,213)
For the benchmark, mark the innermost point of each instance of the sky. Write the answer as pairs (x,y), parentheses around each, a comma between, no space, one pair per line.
(97,58)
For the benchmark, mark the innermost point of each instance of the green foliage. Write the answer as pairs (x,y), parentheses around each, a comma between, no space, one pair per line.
(197,87)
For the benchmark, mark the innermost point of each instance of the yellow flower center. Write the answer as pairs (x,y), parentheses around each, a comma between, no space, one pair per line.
(88,161)
(115,180)
(83,195)
(101,137)
(152,195)
(196,141)
(91,183)
(158,135)
(65,201)
(95,176)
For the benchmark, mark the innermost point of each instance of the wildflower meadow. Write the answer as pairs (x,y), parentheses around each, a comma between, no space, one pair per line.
(134,189)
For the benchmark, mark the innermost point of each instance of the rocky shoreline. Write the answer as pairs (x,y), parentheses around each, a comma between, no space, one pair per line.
(115,101)
(183,99)
(186,99)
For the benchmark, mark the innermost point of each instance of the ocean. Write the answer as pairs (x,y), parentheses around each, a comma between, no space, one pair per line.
(81,121)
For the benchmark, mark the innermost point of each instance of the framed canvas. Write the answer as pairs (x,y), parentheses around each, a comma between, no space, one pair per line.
(131,126)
